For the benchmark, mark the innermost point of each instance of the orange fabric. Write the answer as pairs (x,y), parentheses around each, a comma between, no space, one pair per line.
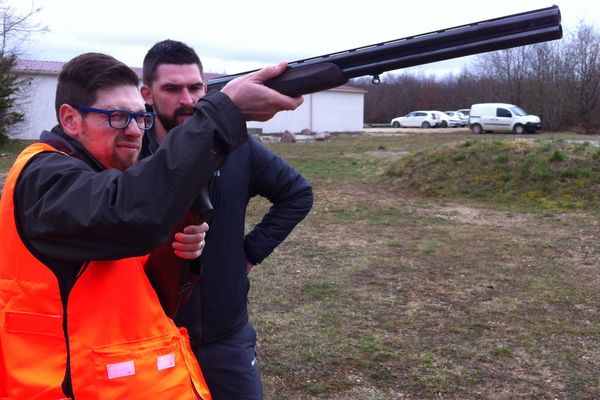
(122,345)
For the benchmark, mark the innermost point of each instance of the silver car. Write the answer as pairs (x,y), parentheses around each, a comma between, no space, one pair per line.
(445,121)
(463,119)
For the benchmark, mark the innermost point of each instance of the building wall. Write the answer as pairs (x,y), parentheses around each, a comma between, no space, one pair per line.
(293,121)
(37,103)
(338,112)
(329,111)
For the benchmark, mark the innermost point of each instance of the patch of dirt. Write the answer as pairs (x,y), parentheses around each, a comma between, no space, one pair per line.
(406,131)
(479,216)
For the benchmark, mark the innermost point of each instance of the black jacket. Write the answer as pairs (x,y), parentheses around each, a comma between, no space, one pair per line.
(70,209)
(218,305)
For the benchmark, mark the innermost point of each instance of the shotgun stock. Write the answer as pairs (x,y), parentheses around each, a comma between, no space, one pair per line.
(331,70)
(170,275)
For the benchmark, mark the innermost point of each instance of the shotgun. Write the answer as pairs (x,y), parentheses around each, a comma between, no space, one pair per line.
(170,275)
(331,70)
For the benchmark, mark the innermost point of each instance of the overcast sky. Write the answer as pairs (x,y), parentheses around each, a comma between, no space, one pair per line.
(233,36)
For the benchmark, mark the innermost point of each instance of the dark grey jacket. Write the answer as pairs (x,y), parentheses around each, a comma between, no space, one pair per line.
(218,305)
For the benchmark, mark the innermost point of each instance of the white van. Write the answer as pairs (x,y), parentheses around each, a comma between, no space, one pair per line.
(491,117)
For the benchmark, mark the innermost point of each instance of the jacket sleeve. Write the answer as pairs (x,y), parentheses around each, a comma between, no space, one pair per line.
(291,197)
(69,211)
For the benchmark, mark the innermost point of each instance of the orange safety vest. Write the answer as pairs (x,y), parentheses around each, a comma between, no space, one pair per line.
(112,335)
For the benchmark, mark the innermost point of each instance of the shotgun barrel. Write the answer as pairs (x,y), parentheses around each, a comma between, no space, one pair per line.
(331,70)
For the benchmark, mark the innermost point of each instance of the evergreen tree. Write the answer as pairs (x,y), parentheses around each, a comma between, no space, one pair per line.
(8,89)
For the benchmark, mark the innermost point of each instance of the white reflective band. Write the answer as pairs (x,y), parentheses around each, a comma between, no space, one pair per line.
(120,370)
(166,361)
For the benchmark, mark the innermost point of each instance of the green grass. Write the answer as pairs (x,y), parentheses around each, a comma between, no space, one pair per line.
(9,152)
(542,174)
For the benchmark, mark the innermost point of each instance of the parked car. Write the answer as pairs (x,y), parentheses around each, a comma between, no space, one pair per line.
(490,117)
(447,120)
(464,119)
(464,111)
(416,119)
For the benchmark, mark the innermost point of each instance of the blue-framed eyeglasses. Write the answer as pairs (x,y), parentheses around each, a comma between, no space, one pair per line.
(120,119)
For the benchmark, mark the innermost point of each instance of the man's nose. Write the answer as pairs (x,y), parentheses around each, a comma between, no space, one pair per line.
(186,97)
(132,129)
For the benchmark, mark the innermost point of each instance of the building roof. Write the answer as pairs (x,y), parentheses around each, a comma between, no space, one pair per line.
(48,67)
(54,67)
(43,67)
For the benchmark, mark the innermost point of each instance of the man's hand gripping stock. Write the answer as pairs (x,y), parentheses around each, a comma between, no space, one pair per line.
(256,101)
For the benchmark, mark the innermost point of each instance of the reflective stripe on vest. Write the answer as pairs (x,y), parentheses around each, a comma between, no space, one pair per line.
(122,345)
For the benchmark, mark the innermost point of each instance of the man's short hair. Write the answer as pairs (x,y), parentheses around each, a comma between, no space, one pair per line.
(83,76)
(168,52)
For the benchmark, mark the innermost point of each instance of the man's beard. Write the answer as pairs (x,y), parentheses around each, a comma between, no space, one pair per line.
(170,121)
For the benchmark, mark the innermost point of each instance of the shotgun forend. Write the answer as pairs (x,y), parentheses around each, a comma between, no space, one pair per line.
(330,70)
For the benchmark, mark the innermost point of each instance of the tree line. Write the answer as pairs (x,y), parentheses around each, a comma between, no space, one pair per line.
(557,80)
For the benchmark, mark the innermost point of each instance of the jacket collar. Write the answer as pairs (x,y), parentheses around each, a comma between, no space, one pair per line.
(58,139)
(149,143)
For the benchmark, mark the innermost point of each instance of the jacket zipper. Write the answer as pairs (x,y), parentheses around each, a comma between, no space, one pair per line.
(67,383)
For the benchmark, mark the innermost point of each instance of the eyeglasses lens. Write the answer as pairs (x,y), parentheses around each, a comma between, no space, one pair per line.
(118,119)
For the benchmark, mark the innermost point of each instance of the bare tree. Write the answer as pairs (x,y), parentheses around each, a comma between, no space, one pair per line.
(399,94)
(583,50)
(510,66)
(551,85)
(16,29)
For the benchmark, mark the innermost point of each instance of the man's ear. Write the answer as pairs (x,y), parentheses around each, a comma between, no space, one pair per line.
(146,94)
(70,120)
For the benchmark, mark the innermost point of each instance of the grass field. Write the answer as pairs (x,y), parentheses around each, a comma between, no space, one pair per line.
(388,293)
(400,285)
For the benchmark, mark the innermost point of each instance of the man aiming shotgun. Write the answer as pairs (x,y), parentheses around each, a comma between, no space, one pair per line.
(78,317)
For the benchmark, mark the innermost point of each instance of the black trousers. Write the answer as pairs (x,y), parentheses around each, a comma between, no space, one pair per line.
(230,367)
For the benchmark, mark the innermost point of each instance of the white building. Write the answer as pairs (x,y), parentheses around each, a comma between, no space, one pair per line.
(36,97)
(334,110)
